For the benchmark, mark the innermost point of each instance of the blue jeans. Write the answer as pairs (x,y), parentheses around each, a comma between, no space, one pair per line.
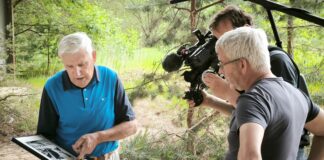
(301,154)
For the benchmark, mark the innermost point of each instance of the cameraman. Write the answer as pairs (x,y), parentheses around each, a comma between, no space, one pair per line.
(281,65)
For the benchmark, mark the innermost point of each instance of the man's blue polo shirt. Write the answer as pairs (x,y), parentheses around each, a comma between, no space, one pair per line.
(68,112)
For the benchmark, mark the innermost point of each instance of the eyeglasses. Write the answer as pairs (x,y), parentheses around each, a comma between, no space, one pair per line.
(221,65)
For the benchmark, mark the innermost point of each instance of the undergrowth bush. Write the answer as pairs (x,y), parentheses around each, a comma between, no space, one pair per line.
(210,143)
(19,111)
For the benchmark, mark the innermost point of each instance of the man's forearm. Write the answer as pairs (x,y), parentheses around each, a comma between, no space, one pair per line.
(317,149)
(232,96)
(219,104)
(118,132)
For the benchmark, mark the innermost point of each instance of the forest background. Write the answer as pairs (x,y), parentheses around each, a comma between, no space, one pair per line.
(132,37)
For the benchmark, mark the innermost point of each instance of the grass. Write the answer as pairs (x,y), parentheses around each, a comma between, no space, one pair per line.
(143,59)
(37,82)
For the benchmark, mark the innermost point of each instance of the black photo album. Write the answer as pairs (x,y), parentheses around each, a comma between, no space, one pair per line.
(43,148)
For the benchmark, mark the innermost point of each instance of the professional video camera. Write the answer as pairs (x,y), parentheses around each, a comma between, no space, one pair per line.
(199,57)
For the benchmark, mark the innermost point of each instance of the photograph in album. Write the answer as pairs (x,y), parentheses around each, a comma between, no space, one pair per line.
(43,148)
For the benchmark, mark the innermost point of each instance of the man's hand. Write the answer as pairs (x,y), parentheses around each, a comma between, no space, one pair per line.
(216,84)
(86,144)
(214,102)
(192,103)
(220,87)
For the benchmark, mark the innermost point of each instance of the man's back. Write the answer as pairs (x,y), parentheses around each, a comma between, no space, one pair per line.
(280,109)
(283,66)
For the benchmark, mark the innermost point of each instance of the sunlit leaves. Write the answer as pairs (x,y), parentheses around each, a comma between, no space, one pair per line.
(39,25)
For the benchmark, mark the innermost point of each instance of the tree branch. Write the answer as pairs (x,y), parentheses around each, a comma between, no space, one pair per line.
(145,81)
(14,95)
(28,29)
(203,121)
(180,8)
(304,26)
(205,7)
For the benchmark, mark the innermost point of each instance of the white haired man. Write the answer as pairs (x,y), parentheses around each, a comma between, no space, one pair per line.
(270,116)
(84,108)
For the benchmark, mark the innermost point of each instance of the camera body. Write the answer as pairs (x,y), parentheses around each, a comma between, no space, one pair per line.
(199,57)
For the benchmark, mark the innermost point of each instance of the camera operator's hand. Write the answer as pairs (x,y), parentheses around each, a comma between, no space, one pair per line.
(220,87)
(207,98)
(216,84)
(192,103)
(214,102)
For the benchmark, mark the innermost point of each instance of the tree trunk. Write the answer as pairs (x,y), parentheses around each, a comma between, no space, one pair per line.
(8,20)
(290,31)
(290,36)
(10,37)
(13,41)
(193,15)
(191,134)
(3,52)
(48,51)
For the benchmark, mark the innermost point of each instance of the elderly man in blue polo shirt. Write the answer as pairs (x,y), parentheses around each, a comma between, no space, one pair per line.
(84,108)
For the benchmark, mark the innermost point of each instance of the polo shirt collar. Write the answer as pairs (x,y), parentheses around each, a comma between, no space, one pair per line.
(67,84)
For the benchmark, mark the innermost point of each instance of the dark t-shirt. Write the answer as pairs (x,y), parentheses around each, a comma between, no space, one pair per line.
(282,66)
(281,110)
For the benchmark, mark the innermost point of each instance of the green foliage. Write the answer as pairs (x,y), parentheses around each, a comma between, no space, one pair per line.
(152,18)
(37,36)
(144,59)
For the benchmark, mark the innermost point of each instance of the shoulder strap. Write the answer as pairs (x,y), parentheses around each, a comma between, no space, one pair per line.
(272,51)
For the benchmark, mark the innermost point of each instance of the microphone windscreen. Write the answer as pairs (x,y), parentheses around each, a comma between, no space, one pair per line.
(172,62)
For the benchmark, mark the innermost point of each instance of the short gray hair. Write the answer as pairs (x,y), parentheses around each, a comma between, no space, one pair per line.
(248,43)
(72,43)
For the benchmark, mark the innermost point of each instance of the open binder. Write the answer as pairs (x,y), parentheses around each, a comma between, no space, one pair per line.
(43,148)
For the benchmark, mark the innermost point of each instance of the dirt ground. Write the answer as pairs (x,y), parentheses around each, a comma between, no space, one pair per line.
(10,151)
(150,115)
